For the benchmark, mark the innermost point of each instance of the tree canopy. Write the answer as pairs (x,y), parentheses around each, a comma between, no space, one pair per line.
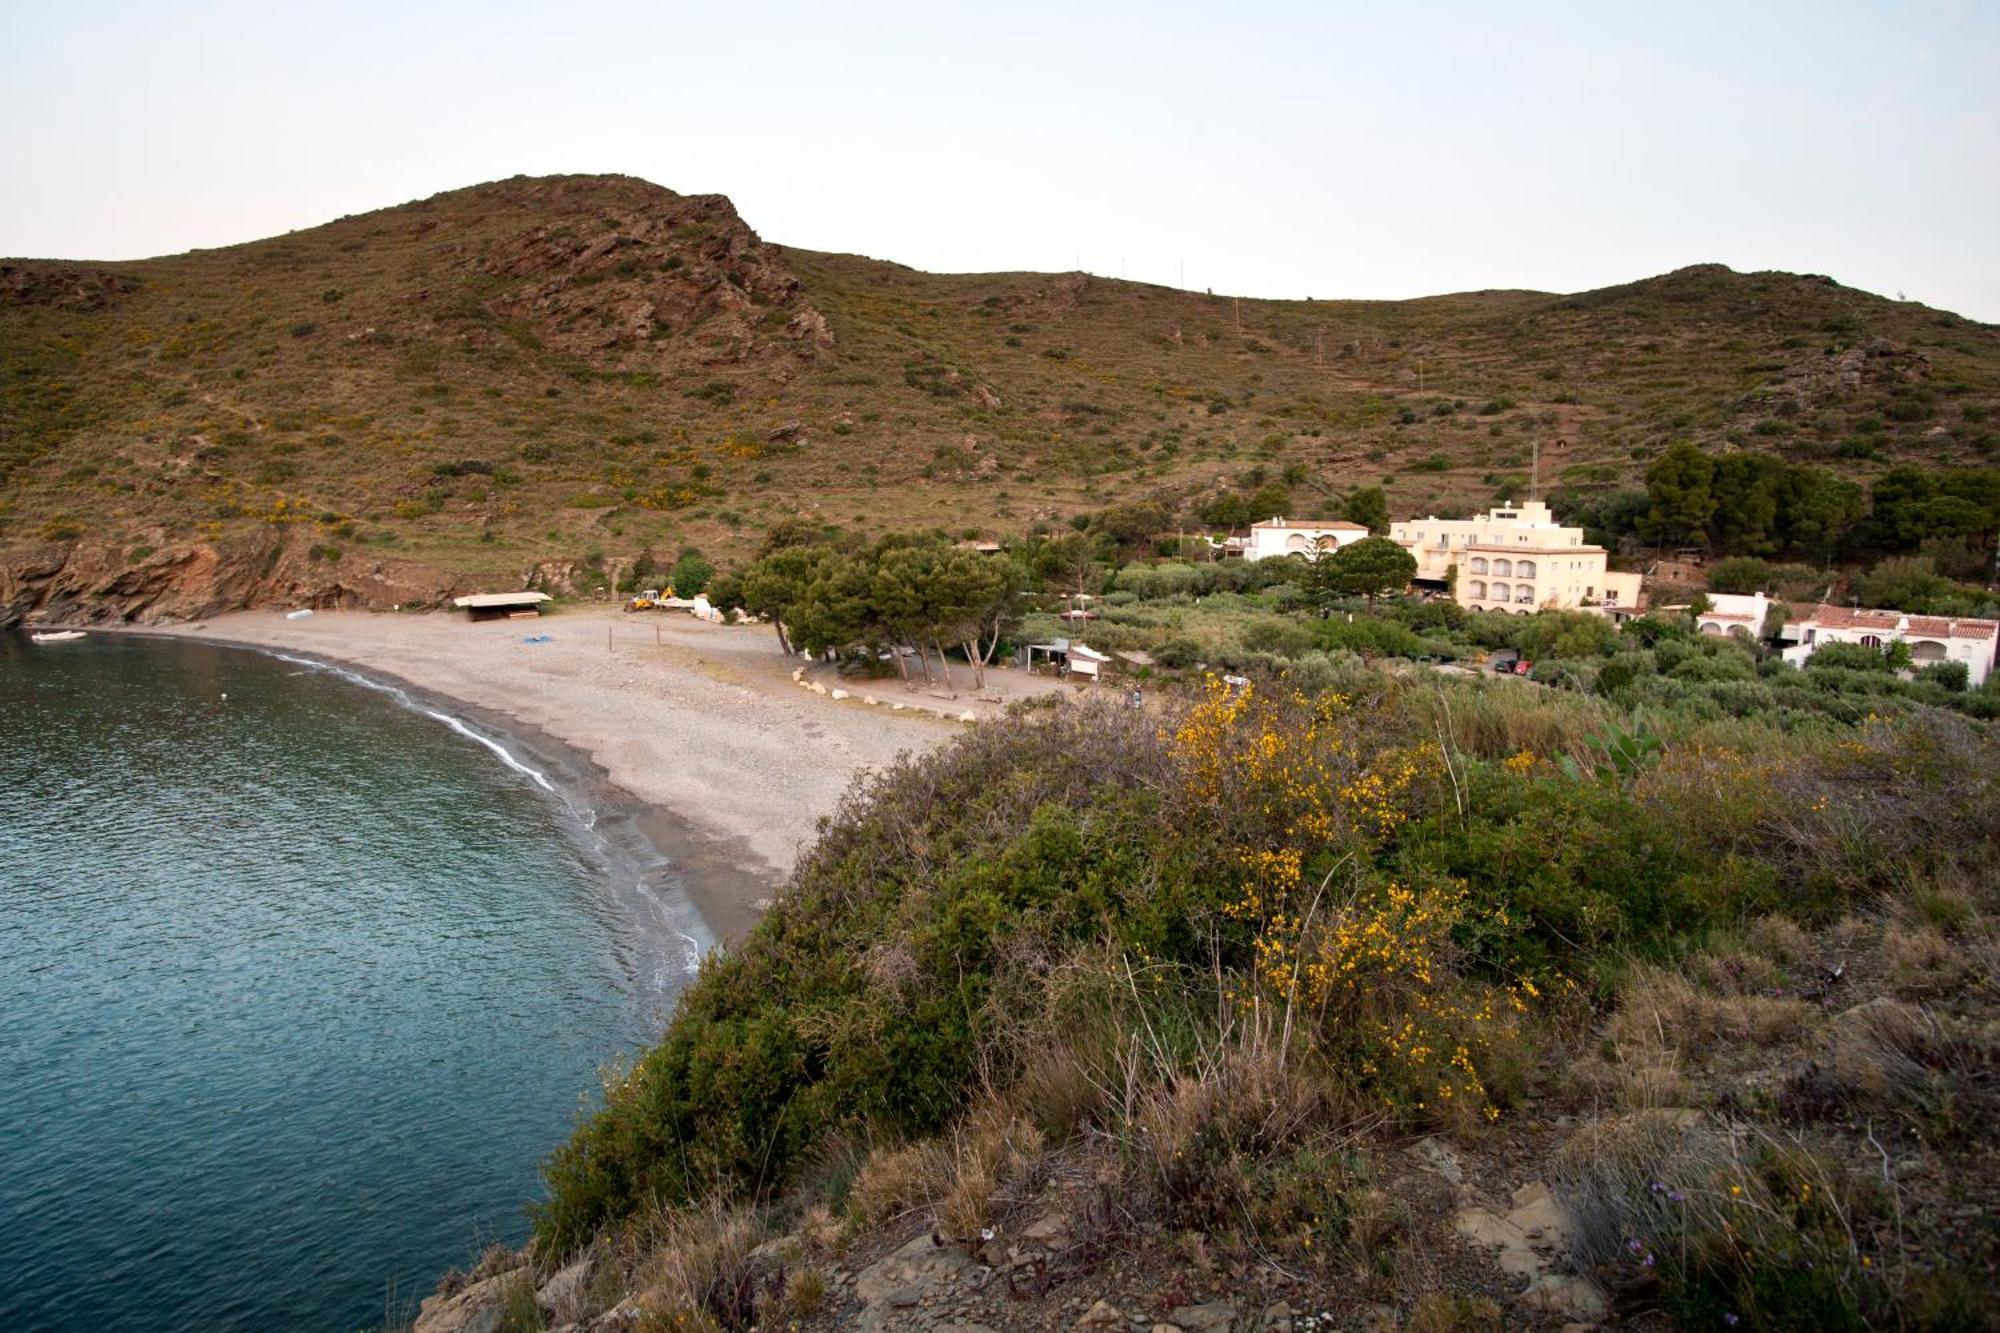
(1369,507)
(904,592)
(1680,485)
(1371,567)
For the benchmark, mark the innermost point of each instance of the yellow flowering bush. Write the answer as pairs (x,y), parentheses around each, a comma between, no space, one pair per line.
(1362,966)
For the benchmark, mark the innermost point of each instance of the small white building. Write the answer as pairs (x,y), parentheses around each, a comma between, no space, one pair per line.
(1279,537)
(1517,558)
(1737,613)
(1086,661)
(1931,638)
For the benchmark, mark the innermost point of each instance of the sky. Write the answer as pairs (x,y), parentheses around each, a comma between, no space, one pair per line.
(1267,149)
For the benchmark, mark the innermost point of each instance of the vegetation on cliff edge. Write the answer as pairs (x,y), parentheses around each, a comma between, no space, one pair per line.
(1271,928)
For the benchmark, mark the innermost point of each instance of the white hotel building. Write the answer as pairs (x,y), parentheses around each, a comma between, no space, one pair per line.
(1517,558)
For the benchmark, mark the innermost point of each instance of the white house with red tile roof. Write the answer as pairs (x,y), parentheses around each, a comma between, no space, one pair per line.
(1738,613)
(1931,638)
(1277,536)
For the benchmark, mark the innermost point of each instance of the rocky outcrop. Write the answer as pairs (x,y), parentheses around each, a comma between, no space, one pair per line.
(1878,361)
(61,286)
(91,584)
(1531,1240)
(479,1308)
(677,283)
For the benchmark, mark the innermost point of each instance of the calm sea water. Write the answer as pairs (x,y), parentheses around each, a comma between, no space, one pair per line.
(297,987)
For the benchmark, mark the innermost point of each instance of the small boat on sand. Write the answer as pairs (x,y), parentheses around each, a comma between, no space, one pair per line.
(56,635)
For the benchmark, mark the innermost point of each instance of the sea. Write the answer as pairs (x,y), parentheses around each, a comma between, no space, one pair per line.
(302,976)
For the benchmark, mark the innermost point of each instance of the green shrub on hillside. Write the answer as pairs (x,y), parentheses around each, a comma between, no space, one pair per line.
(868,996)
(965,915)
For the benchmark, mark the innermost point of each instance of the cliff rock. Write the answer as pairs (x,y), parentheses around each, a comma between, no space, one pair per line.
(677,282)
(95,584)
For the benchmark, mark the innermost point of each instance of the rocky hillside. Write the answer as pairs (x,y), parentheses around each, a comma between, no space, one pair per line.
(571,371)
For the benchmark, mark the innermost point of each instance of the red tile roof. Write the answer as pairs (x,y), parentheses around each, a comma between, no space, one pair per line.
(1927,627)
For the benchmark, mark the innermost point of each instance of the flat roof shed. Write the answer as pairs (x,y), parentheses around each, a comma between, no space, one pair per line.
(501,605)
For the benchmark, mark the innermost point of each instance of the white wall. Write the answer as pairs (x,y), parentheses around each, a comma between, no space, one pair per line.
(1270,543)
(1977,654)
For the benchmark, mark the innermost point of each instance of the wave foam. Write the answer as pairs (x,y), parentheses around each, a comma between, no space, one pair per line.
(402,697)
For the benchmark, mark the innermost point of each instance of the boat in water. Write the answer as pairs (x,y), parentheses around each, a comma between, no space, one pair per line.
(56,635)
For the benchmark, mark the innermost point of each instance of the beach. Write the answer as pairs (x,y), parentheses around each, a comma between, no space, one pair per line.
(701,724)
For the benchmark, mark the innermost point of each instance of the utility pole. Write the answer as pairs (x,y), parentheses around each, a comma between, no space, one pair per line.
(1534,470)
(1319,348)
(1238,302)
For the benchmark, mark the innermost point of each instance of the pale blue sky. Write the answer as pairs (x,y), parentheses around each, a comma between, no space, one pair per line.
(1272,149)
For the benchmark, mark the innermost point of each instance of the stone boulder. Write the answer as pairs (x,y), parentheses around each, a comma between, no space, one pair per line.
(478,1308)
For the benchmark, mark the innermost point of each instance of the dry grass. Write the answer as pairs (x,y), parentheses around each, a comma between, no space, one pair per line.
(342,365)
(522,1312)
(696,1265)
(1888,1057)
(1732,1219)
(1923,962)
(893,1180)
(805,1292)
(1778,939)
(1439,1312)
(1660,1009)
(967,1179)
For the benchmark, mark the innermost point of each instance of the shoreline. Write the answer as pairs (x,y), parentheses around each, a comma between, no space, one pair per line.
(708,875)
(728,819)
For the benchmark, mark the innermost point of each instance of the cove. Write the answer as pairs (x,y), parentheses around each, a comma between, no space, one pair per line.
(300,979)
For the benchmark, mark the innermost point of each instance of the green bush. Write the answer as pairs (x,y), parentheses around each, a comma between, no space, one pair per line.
(1373,637)
(691,574)
(1715,667)
(868,994)
(1740,574)
(1830,657)
(1617,674)
(1953,677)
(1566,634)
(888,986)
(1280,638)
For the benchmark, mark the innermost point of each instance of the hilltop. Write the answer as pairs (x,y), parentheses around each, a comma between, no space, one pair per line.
(567,372)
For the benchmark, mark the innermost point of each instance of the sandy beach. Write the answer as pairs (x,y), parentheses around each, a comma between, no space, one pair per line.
(703,723)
